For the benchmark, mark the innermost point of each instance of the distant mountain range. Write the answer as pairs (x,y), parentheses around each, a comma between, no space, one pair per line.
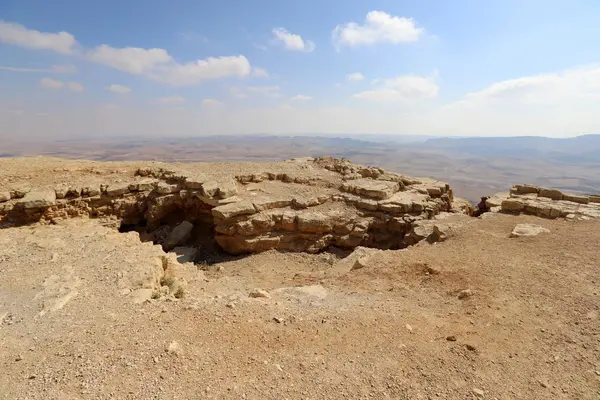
(474,166)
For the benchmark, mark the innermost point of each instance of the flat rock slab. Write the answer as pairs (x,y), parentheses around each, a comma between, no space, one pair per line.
(38,199)
(372,188)
(527,230)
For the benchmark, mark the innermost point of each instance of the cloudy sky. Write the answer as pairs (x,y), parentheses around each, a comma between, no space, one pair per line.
(71,68)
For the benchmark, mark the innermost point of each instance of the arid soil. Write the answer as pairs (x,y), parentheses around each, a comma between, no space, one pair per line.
(480,315)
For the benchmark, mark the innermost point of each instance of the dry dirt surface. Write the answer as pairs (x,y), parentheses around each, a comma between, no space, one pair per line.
(478,316)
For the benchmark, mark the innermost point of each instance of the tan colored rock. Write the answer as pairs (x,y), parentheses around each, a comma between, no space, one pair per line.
(512,205)
(551,194)
(315,222)
(90,191)
(143,186)
(61,191)
(372,188)
(38,199)
(117,189)
(267,203)
(367,204)
(289,221)
(576,198)
(527,230)
(195,181)
(210,188)
(165,188)
(227,189)
(234,209)
(179,234)
(526,189)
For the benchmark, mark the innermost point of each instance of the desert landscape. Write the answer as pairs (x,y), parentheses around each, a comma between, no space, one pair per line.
(277,200)
(474,166)
(339,281)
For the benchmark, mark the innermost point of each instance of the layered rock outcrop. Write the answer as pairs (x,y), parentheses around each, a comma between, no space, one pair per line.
(546,203)
(302,205)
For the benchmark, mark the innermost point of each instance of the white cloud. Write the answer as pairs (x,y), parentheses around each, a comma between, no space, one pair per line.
(18,35)
(154,63)
(171,100)
(211,102)
(50,83)
(300,97)
(134,60)
(292,41)
(356,76)
(201,70)
(379,27)
(59,69)
(158,65)
(404,89)
(120,89)
(561,87)
(75,86)
(260,73)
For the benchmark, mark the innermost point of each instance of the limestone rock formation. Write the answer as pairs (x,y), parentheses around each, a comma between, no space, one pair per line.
(546,203)
(297,205)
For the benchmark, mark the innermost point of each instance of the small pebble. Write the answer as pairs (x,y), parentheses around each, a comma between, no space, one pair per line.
(451,338)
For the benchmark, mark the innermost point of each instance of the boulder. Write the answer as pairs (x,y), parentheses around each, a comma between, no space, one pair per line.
(358,259)
(522,230)
(61,192)
(179,234)
(227,189)
(38,199)
(185,254)
(210,189)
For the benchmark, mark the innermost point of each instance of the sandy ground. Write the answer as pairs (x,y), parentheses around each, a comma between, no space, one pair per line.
(396,329)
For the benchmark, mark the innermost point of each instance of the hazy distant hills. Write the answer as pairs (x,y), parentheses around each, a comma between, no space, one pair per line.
(474,166)
(575,149)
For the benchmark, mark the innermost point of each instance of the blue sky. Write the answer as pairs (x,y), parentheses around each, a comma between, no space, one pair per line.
(183,68)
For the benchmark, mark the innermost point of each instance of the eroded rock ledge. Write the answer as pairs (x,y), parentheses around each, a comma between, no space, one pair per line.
(546,203)
(307,206)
